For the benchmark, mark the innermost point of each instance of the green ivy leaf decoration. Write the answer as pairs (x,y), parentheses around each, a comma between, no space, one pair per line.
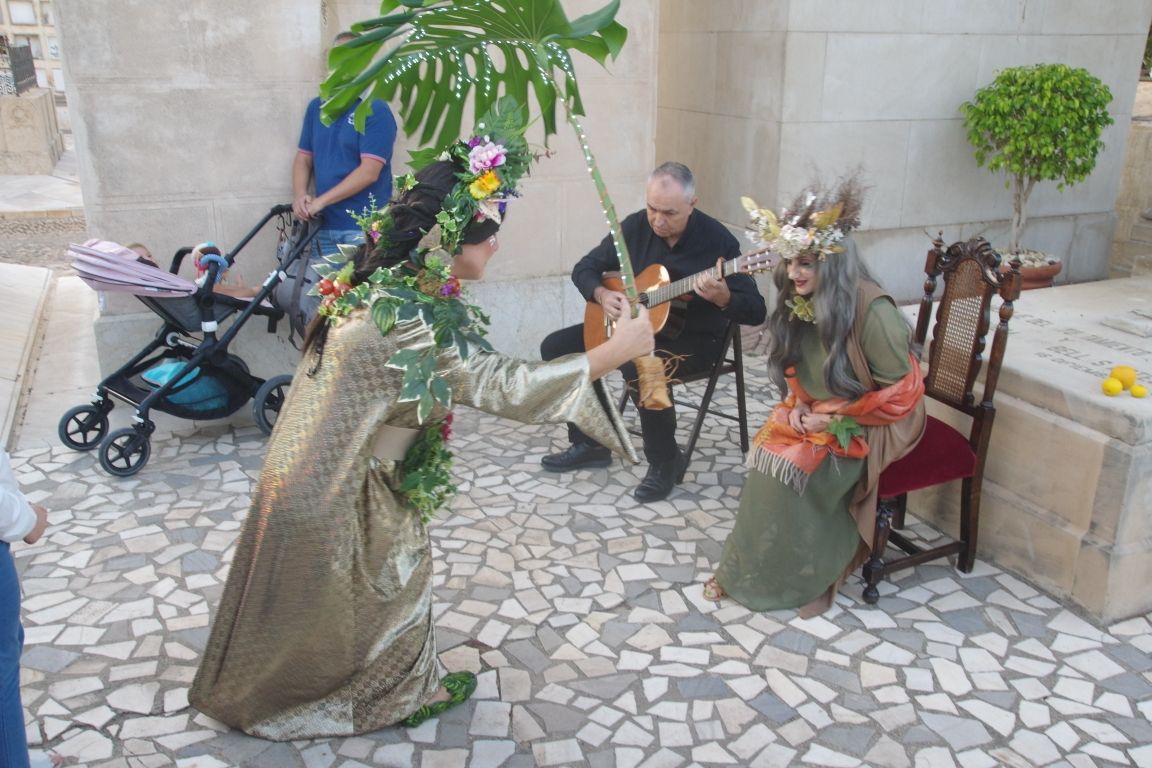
(426,471)
(844,428)
(384,315)
(802,309)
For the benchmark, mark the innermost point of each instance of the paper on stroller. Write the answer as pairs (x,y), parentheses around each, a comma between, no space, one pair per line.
(108,266)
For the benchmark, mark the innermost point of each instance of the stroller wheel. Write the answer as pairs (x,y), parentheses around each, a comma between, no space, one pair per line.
(125,452)
(83,427)
(266,404)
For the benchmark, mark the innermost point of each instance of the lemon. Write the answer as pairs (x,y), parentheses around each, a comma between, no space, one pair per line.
(1126,374)
(1139,390)
(1112,386)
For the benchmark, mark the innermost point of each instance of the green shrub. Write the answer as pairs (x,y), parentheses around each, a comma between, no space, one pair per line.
(1038,123)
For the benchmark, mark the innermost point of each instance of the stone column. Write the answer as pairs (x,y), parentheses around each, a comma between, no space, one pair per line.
(185,119)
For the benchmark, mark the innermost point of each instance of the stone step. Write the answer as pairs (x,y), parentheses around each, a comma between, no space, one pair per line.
(24,294)
(1142,231)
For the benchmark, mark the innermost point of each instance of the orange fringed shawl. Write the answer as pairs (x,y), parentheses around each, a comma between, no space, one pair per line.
(791,457)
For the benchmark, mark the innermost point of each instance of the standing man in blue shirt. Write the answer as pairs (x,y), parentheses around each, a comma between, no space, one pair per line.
(343,167)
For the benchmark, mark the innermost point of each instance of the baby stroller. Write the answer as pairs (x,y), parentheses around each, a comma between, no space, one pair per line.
(186,370)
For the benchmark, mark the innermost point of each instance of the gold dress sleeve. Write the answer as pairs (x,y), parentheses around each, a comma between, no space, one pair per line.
(542,393)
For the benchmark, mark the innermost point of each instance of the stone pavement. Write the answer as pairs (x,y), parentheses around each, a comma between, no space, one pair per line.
(580,610)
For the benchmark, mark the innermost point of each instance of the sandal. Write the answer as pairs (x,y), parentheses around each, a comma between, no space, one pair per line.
(713,591)
(460,685)
(40,759)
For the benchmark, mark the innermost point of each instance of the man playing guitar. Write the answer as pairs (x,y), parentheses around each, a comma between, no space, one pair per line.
(688,243)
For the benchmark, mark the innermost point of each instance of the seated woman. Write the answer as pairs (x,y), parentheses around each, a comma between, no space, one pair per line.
(325,627)
(841,351)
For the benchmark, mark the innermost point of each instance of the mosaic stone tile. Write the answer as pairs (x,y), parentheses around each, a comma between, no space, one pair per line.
(582,613)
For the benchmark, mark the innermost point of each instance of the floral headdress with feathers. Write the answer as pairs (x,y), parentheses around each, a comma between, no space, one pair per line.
(815,223)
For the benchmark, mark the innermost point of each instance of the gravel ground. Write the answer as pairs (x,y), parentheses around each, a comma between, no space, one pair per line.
(41,242)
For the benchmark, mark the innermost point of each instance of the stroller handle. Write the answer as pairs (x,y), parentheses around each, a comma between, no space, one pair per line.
(279,209)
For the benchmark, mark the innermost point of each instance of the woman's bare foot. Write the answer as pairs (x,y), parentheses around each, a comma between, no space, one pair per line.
(442,694)
(713,591)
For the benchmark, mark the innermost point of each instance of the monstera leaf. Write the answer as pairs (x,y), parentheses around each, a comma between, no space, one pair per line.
(429,56)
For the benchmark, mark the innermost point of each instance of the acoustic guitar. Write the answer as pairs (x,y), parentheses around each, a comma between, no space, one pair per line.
(660,295)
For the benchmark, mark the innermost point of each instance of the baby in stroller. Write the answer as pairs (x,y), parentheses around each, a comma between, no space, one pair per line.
(187,369)
(223,286)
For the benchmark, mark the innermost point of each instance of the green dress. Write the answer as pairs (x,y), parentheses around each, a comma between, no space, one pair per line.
(785,549)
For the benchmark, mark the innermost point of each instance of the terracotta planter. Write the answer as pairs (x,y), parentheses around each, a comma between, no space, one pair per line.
(1036,277)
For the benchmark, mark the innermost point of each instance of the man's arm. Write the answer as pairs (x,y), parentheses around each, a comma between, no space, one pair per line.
(301,178)
(18,518)
(736,295)
(588,274)
(362,177)
(746,305)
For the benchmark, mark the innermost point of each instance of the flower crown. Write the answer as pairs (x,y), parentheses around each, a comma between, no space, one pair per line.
(491,164)
(815,223)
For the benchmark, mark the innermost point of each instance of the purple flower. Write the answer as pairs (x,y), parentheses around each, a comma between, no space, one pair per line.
(450,288)
(485,156)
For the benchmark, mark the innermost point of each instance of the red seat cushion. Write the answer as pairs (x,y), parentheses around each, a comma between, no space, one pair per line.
(942,454)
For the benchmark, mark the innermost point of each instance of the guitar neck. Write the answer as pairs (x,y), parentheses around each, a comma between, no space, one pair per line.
(684,285)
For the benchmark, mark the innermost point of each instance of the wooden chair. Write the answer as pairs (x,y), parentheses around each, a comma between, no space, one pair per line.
(731,360)
(971,278)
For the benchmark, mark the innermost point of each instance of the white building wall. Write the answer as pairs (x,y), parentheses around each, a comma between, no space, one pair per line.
(879,85)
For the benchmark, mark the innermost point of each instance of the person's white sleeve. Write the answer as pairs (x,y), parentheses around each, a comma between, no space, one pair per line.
(16,516)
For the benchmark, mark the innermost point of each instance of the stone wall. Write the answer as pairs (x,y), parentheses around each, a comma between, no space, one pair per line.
(1132,240)
(30,140)
(773,94)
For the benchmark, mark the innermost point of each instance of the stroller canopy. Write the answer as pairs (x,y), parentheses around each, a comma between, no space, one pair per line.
(108,266)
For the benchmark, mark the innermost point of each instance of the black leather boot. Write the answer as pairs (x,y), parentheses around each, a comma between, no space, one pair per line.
(661,478)
(578,456)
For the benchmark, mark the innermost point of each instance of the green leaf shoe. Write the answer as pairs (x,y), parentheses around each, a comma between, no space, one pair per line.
(460,685)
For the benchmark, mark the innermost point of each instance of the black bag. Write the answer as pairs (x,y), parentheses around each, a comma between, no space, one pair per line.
(294,254)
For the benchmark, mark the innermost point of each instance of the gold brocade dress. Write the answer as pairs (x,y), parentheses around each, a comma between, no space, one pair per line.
(325,625)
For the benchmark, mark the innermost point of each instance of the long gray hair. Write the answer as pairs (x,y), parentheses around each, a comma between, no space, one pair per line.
(834,301)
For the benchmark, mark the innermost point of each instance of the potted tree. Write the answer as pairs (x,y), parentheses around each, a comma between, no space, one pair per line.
(1038,123)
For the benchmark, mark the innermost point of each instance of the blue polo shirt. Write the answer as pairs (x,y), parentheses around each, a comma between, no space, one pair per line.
(336,151)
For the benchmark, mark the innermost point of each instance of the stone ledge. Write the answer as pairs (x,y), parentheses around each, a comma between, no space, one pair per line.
(23,293)
(51,213)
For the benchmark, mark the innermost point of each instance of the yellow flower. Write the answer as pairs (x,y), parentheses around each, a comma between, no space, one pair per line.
(484,186)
